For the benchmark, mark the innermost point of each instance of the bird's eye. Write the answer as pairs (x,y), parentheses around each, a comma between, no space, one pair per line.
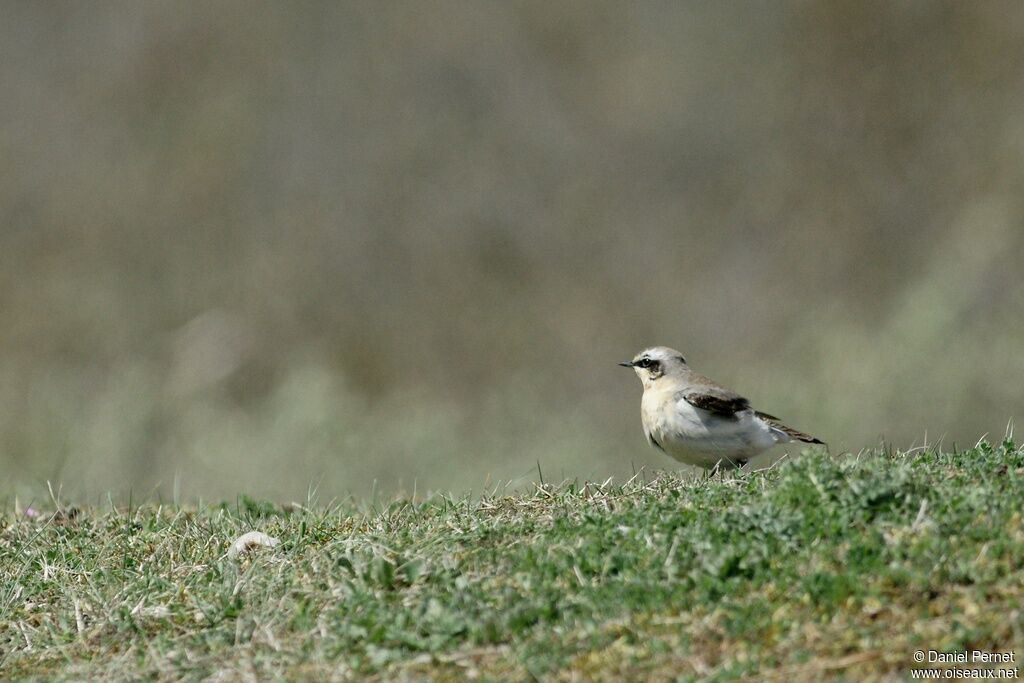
(645,362)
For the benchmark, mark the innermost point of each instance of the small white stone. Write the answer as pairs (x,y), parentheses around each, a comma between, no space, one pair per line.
(250,541)
(152,612)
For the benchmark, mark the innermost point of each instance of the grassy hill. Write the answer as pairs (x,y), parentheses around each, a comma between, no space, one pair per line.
(820,567)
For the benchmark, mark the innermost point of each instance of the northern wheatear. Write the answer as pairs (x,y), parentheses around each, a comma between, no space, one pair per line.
(698,421)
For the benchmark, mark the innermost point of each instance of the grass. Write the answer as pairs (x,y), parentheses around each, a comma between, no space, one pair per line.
(820,567)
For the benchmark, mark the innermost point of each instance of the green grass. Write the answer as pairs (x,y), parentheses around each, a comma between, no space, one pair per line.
(820,567)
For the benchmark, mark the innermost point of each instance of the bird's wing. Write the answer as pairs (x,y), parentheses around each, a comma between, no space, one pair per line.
(714,399)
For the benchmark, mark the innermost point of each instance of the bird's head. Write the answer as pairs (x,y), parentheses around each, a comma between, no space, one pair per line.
(656,362)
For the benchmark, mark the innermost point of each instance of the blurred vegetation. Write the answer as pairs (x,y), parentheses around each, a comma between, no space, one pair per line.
(267,246)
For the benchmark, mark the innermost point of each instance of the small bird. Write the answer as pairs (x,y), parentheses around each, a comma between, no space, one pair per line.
(696,420)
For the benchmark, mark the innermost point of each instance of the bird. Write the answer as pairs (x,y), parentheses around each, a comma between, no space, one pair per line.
(699,422)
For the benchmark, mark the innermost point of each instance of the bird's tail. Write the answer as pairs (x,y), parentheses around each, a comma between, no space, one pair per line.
(790,433)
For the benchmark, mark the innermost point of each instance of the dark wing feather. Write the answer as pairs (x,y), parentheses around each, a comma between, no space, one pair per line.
(793,433)
(715,400)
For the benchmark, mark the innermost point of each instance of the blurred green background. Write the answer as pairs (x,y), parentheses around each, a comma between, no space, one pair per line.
(263,247)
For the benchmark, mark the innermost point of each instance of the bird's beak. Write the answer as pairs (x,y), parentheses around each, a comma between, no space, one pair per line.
(627,365)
